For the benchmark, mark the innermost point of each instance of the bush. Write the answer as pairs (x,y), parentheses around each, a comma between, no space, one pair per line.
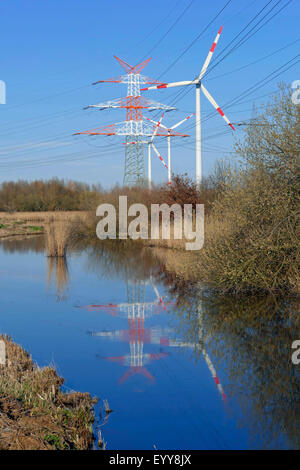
(255,244)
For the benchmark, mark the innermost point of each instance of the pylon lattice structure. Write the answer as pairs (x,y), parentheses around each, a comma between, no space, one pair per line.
(135,129)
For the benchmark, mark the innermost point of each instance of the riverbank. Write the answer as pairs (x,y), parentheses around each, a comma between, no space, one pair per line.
(19,224)
(34,413)
(248,252)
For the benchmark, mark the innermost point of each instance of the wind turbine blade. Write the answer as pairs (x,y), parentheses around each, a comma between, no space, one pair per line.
(215,105)
(214,374)
(159,298)
(208,58)
(156,128)
(170,85)
(185,119)
(155,122)
(159,156)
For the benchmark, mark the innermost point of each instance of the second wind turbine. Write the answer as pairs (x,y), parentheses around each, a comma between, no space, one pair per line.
(197,82)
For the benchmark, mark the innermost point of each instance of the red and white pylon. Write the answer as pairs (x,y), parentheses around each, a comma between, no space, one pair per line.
(169,130)
(197,82)
(135,128)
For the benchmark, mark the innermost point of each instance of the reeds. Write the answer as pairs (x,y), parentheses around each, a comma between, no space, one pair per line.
(57,234)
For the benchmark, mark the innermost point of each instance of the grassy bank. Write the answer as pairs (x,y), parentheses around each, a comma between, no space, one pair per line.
(34,413)
(34,223)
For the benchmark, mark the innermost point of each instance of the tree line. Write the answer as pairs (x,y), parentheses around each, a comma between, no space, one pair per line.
(54,194)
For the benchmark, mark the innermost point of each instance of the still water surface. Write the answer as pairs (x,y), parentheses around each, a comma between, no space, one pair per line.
(180,368)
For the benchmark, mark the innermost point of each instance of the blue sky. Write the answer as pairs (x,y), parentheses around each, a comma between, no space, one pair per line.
(53,50)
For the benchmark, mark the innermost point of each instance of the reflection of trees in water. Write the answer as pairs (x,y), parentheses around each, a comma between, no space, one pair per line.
(125,260)
(34,244)
(250,338)
(61,280)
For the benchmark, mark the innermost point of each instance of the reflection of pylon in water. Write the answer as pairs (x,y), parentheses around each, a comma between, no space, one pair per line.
(134,302)
(135,310)
(137,335)
(158,336)
(137,359)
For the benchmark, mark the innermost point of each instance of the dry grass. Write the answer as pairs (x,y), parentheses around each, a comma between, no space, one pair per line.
(57,235)
(33,223)
(40,217)
(35,414)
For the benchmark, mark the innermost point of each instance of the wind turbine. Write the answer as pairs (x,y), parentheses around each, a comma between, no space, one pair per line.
(169,129)
(197,82)
(150,143)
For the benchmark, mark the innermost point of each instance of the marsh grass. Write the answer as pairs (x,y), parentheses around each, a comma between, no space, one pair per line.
(35,413)
(57,237)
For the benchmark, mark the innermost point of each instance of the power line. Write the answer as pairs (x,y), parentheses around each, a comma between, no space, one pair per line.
(247,36)
(262,82)
(254,87)
(183,92)
(160,23)
(255,61)
(194,40)
(168,31)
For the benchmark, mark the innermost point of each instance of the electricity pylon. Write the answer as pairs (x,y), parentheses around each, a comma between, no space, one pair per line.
(135,129)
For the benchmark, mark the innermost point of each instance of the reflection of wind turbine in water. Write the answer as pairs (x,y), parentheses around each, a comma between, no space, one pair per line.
(200,346)
(137,335)
(136,310)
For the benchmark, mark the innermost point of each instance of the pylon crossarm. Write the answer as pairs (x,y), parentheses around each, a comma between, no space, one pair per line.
(135,103)
(132,69)
(135,128)
(108,130)
(139,67)
(110,80)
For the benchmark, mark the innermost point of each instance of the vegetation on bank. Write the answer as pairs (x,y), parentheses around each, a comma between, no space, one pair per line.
(34,413)
(254,245)
(251,224)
